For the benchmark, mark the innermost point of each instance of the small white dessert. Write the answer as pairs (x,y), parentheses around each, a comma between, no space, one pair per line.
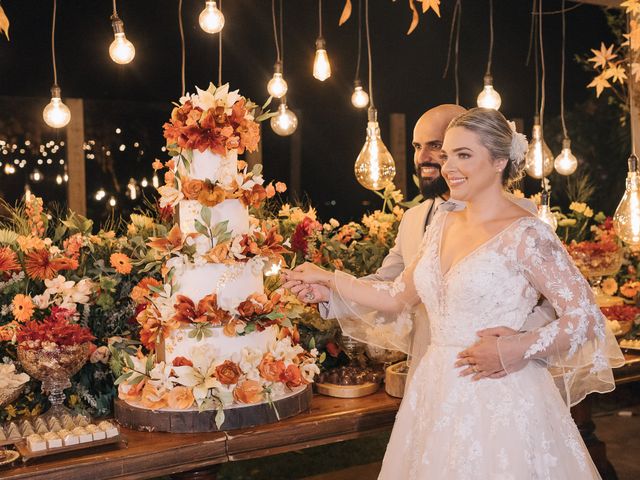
(96,432)
(53,440)
(68,438)
(109,429)
(83,435)
(36,443)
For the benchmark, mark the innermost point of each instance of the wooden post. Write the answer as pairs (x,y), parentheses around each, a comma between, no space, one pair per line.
(255,158)
(76,186)
(295,175)
(398,149)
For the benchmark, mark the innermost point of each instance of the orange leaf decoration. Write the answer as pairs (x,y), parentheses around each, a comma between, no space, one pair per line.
(4,23)
(346,13)
(415,19)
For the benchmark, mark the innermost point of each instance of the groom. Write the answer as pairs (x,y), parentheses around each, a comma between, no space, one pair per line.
(428,135)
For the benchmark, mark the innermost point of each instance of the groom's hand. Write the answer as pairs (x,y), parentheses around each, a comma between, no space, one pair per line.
(482,360)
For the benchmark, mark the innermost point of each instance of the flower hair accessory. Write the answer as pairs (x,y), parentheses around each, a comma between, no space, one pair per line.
(519,145)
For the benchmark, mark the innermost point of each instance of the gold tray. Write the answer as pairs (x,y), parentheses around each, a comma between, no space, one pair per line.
(27,454)
(347,391)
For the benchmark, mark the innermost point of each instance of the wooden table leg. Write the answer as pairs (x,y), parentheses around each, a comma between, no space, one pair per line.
(205,473)
(597,449)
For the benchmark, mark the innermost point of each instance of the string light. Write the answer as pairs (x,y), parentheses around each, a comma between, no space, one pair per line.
(211,18)
(112,202)
(488,97)
(277,86)
(132,189)
(544,211)
(359,98)
(144,183)
(121,49)
(566,162)
(56,114)
(374,167)
(36,176)
(155,181)
(321,65)
(100,194)
(285,122)
(59,179)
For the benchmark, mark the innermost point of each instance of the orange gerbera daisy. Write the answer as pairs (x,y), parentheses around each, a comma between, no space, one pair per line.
(8,260)
(121,263)
(22,308)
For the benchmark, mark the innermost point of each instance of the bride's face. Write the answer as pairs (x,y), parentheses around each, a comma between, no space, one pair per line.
(468,166)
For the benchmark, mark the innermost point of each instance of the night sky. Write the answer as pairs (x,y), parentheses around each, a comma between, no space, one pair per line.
(407,73)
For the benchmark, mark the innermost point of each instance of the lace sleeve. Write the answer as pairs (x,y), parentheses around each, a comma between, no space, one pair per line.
(577,348)
(377,312)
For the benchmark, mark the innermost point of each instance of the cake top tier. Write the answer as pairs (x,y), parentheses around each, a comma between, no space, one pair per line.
(214,119)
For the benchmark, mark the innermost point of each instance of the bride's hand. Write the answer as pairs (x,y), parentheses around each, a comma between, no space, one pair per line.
(483,358)
(308,273)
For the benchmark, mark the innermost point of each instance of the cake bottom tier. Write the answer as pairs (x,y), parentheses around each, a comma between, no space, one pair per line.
(193,421)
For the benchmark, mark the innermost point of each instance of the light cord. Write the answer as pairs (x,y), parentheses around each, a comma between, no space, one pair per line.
(490,37)
(182,69)
(366,16)
(564,32)
(275,30)
(53,45)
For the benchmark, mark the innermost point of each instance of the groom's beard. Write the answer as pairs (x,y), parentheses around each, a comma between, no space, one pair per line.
(432,187)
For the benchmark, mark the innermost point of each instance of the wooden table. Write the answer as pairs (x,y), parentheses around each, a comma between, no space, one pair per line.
(155,454)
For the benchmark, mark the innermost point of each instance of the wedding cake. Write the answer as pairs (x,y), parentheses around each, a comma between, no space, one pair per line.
(216,330)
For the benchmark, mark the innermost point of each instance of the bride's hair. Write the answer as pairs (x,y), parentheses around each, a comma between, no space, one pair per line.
(499,136)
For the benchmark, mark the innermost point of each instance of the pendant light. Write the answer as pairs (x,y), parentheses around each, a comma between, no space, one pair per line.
(211,18)
(544,210)
(359,97)
(374,167)
(121,49)
(285,122)
(565,163)
(626,220)
(56,114)
(539,159)
(277,86)
(488,97)
(321,65)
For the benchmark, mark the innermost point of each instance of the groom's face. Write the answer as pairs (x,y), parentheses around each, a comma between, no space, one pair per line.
(427,143)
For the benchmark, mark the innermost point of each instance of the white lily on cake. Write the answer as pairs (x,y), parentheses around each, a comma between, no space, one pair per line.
(214,97)
(200,377)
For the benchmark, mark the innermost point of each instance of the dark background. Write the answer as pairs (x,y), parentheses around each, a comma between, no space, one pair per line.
(407,78)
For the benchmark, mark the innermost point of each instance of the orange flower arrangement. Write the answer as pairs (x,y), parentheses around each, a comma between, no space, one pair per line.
(206,311)
(121,262)
(9,331)
(191,188)
(211,195)
(8,260)
(152,398)
(29,243)
(630,289)
(152,327)
(292,376)
(249,391)
(228,372)
(257,304)
(180,398)
(22,308)
(233,326)
(131,393)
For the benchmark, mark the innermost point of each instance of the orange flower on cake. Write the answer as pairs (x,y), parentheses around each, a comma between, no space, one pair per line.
(22,308)
(292,376)
(270,369)
(234,327)
(8,261)
(191,188)
(248,391)
(228,372)
(121,263)
(153,397)
(211,195)
(131,393)
(180,398)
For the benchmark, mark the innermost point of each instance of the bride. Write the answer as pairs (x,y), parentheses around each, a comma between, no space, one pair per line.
(479,272)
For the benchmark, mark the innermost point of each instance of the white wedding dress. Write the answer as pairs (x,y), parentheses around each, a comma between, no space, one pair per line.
(517,427)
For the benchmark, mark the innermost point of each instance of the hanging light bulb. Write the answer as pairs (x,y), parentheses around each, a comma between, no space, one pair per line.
(374,166)
(488,97)
(544,211)
(100,194)
(9,169)
(626,220)
(285,122)
(155,181)
(65,177)
(121,49)
(56,114)
(277,86)
(112,202)
(359,98)
(144,183)
(211,18)
(59,179)
(539,159)
(133,190)
(321,65)
(566,163)
(36,175)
